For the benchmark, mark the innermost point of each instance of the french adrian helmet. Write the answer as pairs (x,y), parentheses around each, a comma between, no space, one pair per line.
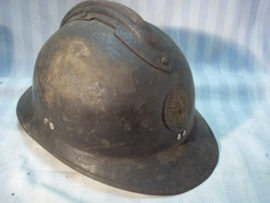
(113,98)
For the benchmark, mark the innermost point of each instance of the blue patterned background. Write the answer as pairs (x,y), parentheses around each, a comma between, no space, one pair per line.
(227,44)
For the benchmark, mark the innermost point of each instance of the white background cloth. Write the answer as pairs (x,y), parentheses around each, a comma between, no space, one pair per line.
(227,45)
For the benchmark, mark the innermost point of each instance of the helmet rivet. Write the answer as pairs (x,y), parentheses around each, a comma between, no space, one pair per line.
(84,15)
(184,133)
(51,126)
(46,121)
(164,60)
(178,136)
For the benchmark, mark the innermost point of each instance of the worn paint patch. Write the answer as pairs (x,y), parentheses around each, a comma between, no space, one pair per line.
(86,159)
(106,35)
(58,101)
(80,131)
(65,118)
(122,121)
(132,162)
(69,129)
(96,89)
(165,158)
(105,142)
(171,154)
(140,100)
(79,72)
(160,177)
(90,162)
(147,122)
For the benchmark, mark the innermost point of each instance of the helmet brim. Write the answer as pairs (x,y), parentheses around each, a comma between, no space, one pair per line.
(169,172)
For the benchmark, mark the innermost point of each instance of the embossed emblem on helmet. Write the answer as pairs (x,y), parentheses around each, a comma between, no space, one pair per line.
(177,108)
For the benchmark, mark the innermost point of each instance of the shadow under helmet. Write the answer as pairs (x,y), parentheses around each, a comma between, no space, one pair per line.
(113,98)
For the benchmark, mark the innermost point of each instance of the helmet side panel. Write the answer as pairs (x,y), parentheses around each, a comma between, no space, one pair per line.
(100,96)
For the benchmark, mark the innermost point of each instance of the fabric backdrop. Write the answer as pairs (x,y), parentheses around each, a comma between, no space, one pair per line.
(227,45)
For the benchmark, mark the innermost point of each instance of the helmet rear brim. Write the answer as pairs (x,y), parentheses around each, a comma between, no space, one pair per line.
(169,172)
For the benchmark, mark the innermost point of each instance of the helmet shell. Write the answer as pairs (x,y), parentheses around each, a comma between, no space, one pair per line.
(113,98)
(104,98)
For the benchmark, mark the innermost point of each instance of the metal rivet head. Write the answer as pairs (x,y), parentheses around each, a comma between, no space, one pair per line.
(51,126)
(184,133)
(178,137)
(164,60)
(83,15)
(46,121)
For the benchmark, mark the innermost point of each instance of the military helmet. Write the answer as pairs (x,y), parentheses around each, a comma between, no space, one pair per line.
(113,98)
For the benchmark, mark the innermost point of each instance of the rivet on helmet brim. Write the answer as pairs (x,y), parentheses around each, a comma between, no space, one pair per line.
(184,133)
(51,126)
(46,121)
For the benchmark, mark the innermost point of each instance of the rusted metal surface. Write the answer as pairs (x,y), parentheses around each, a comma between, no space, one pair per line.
(111,94)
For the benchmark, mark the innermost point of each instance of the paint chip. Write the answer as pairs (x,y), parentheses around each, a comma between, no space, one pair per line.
(106,143)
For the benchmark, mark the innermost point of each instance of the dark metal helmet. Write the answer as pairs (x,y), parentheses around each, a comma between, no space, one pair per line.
(113,98)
